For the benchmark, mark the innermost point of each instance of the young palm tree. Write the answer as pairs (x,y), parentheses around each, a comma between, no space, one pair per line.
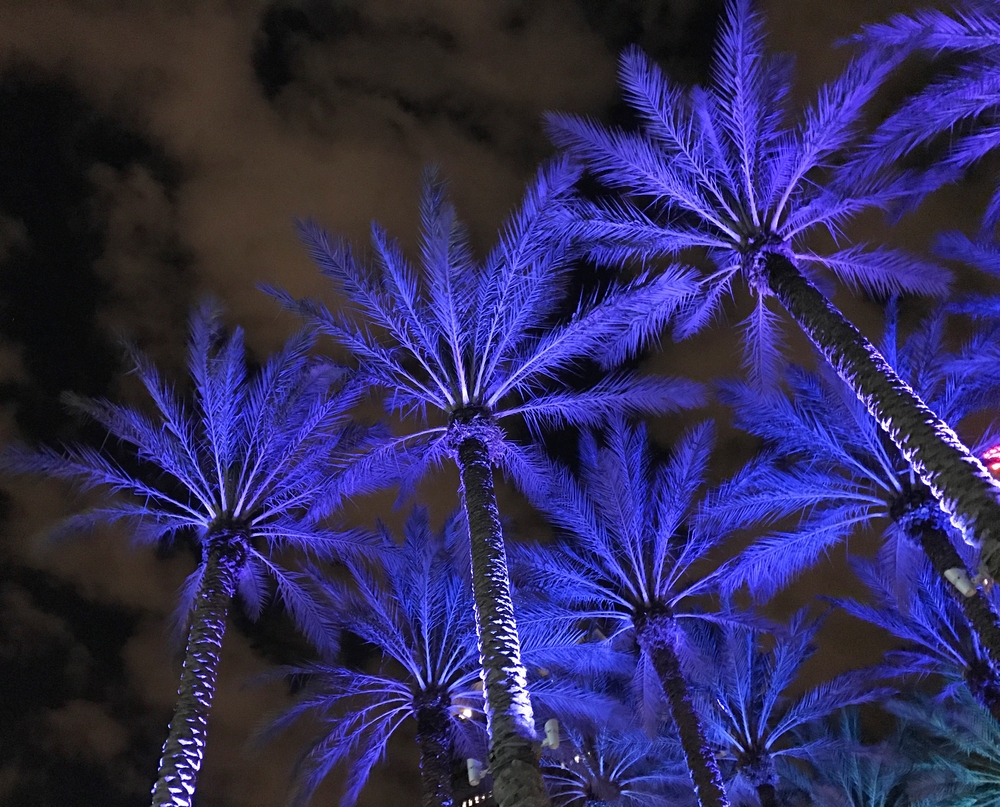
(604,768)
(626,565)
(235,470)
(748,711)
(939,639)
(477,344)
(416,608)
(717,168)
(841,469)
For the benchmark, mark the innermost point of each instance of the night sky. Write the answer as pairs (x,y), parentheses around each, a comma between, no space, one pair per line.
(152,153)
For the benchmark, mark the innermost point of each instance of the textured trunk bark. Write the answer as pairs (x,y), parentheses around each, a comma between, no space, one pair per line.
(185,745)
(437,756)
(514,750)
(958,480)
(768,795)
(657,636)
(926,530)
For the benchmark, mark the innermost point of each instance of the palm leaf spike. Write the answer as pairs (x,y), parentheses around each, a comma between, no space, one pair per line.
(236,469)
(852,475)
(633,533)
(726,175)
(475,344)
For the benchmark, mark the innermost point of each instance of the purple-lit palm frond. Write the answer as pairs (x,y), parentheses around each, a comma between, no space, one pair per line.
(724,168)
(745,700)
(961,104)
(625,769)
(415,606)
(938,639)
(956,747)
(359,713)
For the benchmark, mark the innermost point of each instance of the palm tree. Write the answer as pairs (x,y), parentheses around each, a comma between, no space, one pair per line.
(603,768)
(938,637)
(849,774)
(626,566)
(234,470)
(748,711)
(958,754)
(416,609)
(839,467)
(717,168)
(477,344)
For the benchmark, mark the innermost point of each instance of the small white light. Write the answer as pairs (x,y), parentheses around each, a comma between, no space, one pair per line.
(466,713)
(576,758)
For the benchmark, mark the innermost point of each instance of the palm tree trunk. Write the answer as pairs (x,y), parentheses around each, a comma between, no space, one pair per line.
(977,608)
(185,745)
(767,794)
(514,749)
(657,635)
(436,751)
(956,478)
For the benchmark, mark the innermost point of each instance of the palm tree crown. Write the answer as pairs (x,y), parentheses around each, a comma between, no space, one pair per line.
(633,535)
(849,774)
(617,769)
(826,457)
(472,340)
(719,167)
(415,607)
(937,635)
(720,171)
(247,458)
(958,753)
(747,708)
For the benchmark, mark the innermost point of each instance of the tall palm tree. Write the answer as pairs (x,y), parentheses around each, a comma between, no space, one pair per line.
(415,607)
(234,469)
(749,713)
(718,168)
(633,537)
(938,637)
(476,344)
(839,467)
